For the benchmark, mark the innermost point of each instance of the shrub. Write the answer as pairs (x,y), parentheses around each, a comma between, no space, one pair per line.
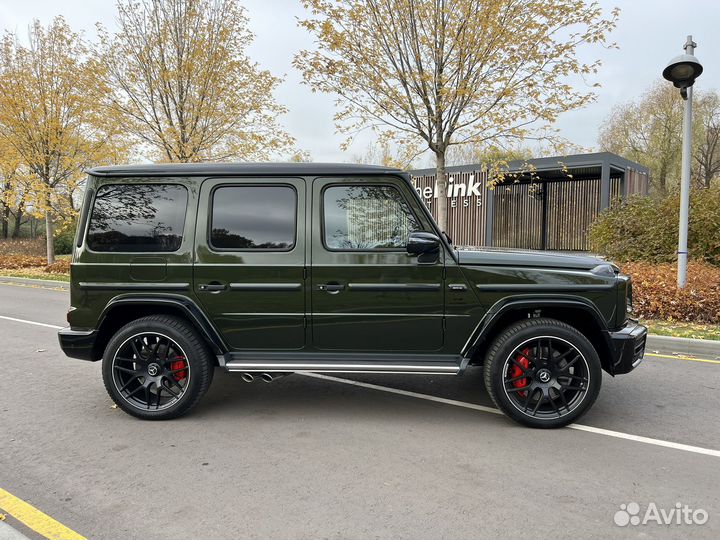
(64,240)
(656,296)
(646,228)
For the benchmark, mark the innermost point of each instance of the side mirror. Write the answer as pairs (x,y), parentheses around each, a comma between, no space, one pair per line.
(421,242)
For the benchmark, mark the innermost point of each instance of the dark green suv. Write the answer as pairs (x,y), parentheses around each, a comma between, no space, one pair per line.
(273,269)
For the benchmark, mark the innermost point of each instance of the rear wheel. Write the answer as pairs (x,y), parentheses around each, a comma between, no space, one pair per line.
(543,373)
(157,367)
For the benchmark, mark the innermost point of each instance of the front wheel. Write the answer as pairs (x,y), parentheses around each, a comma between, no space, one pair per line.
(542,373)
(157,367)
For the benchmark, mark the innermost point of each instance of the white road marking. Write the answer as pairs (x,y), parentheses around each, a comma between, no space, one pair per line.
(56,327)
(473,406)
(465,405)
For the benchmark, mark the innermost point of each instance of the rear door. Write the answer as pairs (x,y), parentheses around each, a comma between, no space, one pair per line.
(249,272)
(367,294)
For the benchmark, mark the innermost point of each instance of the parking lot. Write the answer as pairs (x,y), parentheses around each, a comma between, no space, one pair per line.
(346,457)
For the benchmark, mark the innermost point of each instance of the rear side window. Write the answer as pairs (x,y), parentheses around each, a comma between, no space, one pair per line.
(366,217)
(138,218)
(254,217)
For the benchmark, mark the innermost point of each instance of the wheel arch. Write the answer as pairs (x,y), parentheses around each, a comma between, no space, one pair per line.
(122,309)
(579,313)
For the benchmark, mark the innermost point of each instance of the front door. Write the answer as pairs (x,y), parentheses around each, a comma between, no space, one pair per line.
(249,271)
(367,294)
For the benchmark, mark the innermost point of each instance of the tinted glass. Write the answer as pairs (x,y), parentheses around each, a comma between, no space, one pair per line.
(138,218)
(254,217)
(366,217)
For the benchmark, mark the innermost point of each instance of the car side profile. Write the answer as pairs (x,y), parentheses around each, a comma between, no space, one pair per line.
(273,269)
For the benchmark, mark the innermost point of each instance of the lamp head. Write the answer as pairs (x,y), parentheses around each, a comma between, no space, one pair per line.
(683,70)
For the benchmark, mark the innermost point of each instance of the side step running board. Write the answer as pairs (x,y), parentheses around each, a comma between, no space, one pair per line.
(350,363)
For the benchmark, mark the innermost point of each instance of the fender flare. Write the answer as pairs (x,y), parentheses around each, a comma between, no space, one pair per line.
(182,303)
(505,305)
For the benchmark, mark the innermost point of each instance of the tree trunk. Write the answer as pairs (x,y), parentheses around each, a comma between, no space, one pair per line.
(441,188)
(5,220)
(18,222)
(50,240)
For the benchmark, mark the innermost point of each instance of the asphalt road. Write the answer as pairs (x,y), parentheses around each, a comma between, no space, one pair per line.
(314,458)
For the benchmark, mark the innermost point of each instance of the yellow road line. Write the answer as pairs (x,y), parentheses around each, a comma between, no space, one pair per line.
(35,519)
(688,358)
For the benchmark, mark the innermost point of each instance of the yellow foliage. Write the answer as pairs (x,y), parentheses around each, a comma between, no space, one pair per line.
(447,72)
(183,86)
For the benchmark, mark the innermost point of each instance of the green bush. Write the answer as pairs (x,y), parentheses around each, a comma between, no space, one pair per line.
(646,228)
(64,240)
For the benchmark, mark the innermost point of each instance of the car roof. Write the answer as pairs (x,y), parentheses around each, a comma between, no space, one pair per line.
(231,169)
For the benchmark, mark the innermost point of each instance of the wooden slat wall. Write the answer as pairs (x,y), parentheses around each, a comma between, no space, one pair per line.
(572,205)
(466,219)
(517,217)
(637,182)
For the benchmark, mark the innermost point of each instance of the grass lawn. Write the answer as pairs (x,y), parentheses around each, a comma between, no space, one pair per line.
(34,273)
(683,329)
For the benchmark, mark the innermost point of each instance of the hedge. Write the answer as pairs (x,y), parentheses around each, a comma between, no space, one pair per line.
(646,228)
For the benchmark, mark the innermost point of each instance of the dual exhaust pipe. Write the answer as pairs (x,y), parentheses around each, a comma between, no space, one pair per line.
(265,377)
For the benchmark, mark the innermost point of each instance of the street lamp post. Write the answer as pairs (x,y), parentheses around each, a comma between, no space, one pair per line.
(682,72)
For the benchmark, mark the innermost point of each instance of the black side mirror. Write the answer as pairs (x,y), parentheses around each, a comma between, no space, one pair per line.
(421,243)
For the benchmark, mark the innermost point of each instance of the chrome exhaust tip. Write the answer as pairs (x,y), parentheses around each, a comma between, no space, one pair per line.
(247,377)
(270,377)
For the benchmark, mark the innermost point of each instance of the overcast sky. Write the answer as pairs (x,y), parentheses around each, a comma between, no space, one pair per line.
(650,32)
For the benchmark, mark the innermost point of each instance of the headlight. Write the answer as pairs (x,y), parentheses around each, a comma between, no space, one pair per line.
(606,270)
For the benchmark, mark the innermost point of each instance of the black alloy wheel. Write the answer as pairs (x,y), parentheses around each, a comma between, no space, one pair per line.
(150,371)
(157,367)
(546,377)
(542,373)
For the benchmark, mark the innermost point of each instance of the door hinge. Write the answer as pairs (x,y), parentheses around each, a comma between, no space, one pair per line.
(304,272)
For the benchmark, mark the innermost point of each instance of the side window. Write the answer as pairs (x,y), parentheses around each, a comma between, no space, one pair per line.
(363,217)
(138,218)
(254,217)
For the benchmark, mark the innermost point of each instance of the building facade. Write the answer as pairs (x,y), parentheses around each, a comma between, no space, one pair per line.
(551,207)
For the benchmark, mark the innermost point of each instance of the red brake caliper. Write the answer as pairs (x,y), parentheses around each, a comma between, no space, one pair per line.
(178,363)
(515,371)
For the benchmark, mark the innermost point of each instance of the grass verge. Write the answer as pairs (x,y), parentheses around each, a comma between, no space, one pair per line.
(682,329)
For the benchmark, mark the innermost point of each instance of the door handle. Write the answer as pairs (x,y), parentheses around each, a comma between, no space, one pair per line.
(332,288)
(212,287)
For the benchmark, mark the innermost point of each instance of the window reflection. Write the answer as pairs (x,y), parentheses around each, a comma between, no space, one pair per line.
(254,217)
(138,218)
(366,217)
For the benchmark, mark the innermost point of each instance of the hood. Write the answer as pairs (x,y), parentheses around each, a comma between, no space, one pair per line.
(523,257)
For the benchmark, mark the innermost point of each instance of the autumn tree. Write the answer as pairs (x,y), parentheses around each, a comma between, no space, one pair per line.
(15,190)
(451,72)
(648,131)
(51,114)
(183,85)
(706,144)
(381,153)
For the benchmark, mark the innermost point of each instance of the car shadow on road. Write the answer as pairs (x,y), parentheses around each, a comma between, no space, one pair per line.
(300,395)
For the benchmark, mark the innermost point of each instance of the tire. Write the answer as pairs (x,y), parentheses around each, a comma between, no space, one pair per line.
(542,373)
(157,367)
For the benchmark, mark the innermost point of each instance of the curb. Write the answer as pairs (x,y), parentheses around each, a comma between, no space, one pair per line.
(7,532)
(34,281)
(703,347)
